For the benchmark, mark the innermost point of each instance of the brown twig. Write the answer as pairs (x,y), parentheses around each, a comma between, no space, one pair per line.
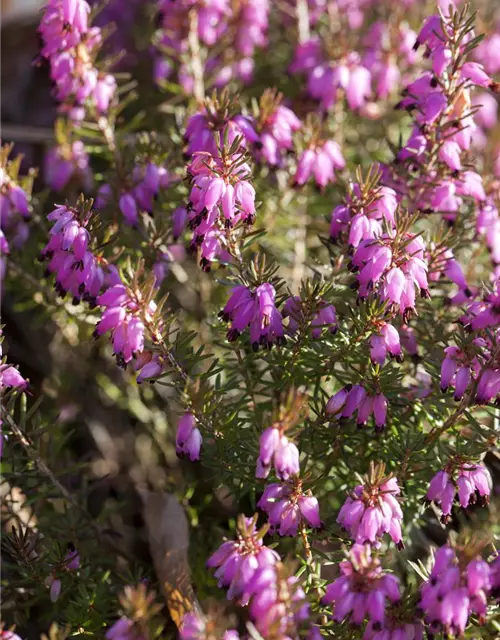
(196,62)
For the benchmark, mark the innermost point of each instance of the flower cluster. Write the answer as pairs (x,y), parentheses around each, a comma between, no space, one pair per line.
(288,506)
(66,163)
(327,79)
(69,257)
(386,341)
(13,199)
(367,208)
(197,627)
(393,267)
(352,398)
(357,75)
(207,23)
(221,196)
(276,450)
(257,310)
(441,106)
(320,161)
(471,482)
(278,604)
(14,204)
(276,126)
(363,589)
(238,562)
(140,192)
(455,590)
(10,378)
(373,509)
(215,122)
(71,45)
(124,318)
(460,366)
(324,317)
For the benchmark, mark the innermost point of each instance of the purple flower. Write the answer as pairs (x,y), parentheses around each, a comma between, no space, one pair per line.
(276,126)
(65,163)
(54,585)
(124,318)
(123,629)
(10,378)
(354,398)
(150,365)
(69,258)
(325,317)
(287,507)
(454,591)
(256,310)
(188,439)
(221,197)
(385,342)
(198,627)
(277,450)
(336,403)
(488,53)
(495,576)
(394,275)
(70,45)
(362,591)
(278,605)
(8,635)
(238,561)
(469,481)
(320,162)
(72,557)
(128,207)
(179,221)
(373,509)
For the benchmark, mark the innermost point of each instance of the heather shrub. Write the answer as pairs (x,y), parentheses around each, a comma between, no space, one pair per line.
(252,316)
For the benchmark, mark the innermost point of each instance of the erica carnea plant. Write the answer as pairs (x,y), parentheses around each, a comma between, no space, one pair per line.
(251,334)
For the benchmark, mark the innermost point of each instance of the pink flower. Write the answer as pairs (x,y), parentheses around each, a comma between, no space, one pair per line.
(470,481)
(373,509)
(122,319)
(454,591)
(385,342)
(72,557)
(362,590)
(69,257)
(287,506)
(319,162)
(256,310)
(324,318)
(196,627)
(277,450)
(238,561)
(123,629)
(188,439)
